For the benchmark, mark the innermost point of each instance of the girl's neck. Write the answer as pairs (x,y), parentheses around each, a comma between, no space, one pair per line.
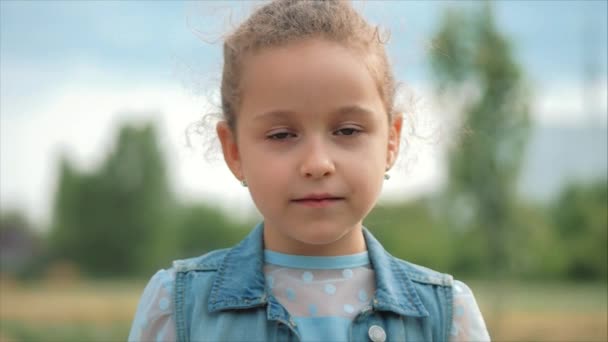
(351,243)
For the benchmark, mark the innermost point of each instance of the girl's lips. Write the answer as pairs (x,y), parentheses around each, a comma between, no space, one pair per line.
(320,202)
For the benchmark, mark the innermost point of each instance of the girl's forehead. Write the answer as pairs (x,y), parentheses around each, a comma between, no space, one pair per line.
(315,48)
(313,75)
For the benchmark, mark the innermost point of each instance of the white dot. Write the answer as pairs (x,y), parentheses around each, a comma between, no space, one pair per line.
(348,308)
(330,289)
(347,273)
(163,304)
(307,277)
(363,295)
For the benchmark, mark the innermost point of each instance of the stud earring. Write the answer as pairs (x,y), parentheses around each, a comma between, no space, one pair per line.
(386,175)
(244,183)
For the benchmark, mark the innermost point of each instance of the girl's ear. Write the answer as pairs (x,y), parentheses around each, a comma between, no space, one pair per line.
(394,139)
(230,149)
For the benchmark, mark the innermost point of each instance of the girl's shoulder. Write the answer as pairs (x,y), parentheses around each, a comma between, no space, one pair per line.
(467,321)
(155,309)
(159,286)
(162,282)
(154,317)
(210,261)
(425,275)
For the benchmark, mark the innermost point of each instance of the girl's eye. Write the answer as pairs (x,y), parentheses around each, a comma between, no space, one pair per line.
(348,131)
(280,136)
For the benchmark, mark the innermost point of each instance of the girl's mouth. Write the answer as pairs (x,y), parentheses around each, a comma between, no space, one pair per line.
(318,201)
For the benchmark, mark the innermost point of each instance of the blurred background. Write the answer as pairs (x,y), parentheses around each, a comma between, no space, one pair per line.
(108,172)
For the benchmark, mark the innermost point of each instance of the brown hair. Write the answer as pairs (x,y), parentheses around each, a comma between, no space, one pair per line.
(283,21)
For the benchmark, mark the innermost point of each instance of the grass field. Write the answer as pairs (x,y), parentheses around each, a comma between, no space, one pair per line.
(103,311)
(544,311)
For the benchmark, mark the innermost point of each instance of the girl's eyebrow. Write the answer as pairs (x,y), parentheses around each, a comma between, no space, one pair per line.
(353,110)
(274,114)
(341,111)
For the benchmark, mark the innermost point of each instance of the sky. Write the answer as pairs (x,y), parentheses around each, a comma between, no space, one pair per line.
(71,72)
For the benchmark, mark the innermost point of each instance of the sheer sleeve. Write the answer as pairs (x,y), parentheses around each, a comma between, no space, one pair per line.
(154,317)
(467,322)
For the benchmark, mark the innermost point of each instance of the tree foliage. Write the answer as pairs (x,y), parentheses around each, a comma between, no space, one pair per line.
(580,216)
(475,72)
(108,221)
(123,219)
(200,228)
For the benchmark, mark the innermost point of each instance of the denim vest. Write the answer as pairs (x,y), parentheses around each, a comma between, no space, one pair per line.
(221,296)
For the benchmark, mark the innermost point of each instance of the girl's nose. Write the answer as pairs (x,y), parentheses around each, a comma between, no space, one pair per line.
(317,162)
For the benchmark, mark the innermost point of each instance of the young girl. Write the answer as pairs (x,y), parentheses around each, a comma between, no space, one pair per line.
(310,128)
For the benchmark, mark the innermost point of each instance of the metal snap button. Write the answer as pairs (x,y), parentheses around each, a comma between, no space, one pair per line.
(376,333)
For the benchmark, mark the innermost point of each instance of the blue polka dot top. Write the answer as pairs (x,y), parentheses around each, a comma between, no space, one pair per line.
(322,294)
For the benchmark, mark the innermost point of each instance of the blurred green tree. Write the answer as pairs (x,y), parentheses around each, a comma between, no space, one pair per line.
(409,231)
(580,214)
(200,229)
(111,221)
(477,77)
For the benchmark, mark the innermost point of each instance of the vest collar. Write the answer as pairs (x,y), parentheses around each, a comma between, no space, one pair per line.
(395,291)
(239,282)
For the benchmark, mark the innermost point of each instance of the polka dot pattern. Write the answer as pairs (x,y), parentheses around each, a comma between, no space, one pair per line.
(320,292)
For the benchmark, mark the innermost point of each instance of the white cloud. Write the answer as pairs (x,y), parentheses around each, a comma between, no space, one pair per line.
(567,104)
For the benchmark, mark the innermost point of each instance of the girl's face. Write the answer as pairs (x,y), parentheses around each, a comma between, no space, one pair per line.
(313,142)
